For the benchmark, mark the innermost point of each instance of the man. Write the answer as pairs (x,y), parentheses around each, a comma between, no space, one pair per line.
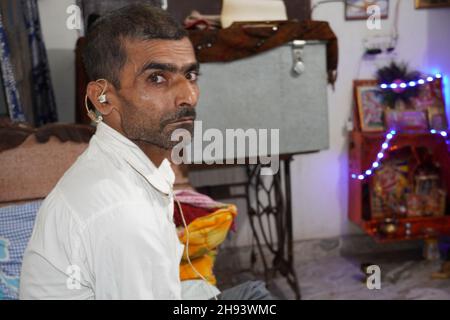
(106,230)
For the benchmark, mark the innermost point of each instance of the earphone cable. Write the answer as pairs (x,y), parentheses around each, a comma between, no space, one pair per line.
(187,249)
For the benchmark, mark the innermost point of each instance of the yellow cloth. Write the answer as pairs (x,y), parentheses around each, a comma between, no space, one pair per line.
(205,235)
(204,266)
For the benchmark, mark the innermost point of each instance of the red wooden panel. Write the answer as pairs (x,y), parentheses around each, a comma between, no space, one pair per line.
(363,151)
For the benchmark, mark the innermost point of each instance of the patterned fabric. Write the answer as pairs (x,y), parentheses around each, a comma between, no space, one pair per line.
(204,265)
(197,199)
(24,64)
(43,98)
(190,213)
(236,42)
(12,94)
(199,203)
(16,226)
(206,233)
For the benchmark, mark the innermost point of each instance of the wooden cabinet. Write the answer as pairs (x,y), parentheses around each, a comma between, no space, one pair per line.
(363,151)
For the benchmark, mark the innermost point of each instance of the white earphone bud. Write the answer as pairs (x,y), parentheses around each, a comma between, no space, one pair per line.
(102,98)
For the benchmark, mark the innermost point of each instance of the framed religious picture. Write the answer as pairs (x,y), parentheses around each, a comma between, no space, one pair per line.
(423,112)
(406,120)
(363,9)
(420,4)
(369,105)
(431,101)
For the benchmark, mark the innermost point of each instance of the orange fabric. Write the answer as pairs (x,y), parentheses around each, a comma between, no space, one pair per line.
(205,235)
(204,266)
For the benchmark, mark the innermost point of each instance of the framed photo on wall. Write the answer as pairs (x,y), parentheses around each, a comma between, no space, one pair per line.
(406,120)
(369,105)
(357,9)
(431,101)
(421,4)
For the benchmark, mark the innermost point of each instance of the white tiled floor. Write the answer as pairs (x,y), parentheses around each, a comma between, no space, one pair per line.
(404,275)
(341,278)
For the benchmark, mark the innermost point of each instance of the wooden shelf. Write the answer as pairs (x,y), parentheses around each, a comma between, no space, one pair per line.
(419,225)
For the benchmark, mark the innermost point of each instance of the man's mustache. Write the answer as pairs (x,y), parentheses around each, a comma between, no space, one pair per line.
(181,113)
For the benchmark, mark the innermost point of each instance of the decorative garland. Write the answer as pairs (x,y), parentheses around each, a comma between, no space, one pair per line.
(397,89)
(385,146)
(402,85)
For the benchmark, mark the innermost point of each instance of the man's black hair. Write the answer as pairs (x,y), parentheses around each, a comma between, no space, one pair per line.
(105,55)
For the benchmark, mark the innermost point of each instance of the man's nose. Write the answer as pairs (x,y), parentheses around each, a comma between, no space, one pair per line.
(187,93)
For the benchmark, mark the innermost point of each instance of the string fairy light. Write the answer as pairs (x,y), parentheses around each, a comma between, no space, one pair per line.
(391,134)
(383,149)
(404,85)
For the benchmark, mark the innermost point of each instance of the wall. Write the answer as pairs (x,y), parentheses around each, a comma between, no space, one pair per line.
(319,181)
(60,44)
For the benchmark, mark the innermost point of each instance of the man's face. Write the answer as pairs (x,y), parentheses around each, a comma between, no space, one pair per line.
(159,90)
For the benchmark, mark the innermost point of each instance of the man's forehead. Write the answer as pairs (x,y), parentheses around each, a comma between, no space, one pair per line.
(176,52)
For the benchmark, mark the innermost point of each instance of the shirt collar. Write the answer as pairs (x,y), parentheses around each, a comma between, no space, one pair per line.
(162,177)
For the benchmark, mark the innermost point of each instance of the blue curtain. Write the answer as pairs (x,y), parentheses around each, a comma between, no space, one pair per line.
(38,102)
(43,98)
(9,81)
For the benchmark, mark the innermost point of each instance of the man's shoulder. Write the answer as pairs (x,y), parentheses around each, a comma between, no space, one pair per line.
(93,185)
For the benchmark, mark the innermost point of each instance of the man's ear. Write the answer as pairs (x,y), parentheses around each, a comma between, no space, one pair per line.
(101,94)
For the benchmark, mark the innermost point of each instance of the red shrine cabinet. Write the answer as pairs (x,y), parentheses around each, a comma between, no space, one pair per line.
(399,179)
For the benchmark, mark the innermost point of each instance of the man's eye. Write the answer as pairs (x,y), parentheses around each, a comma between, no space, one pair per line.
(157,78)
(192,76)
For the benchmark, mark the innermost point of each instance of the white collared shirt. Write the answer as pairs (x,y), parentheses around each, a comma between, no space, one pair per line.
(106,230)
